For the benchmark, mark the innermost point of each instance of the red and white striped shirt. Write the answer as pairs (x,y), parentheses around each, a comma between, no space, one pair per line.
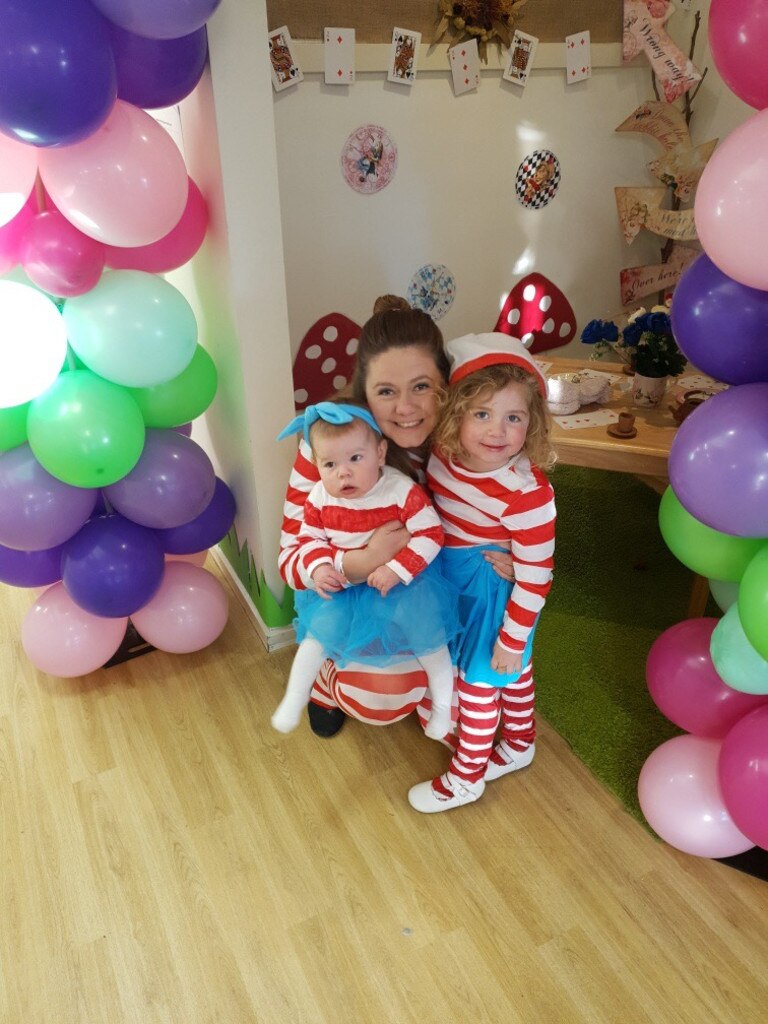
(513,506)
(334,525)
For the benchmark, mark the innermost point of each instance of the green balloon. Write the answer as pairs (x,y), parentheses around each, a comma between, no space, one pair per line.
(719,556)
(86,431)
(753,601)
(181,399)
(736,661)
(13,426)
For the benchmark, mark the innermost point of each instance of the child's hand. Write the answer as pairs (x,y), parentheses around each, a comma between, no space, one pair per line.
(327,580)
(505,661)
(502,564)
(383,579)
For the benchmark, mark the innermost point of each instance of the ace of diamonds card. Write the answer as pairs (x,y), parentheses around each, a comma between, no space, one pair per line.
(339,52)
(578,60)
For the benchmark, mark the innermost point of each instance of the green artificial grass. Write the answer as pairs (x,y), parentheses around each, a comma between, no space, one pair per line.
(617,587)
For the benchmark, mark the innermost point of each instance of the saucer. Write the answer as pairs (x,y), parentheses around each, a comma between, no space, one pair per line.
(614,431)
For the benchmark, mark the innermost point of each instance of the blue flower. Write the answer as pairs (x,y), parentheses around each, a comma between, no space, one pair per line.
(659,323)
(633,332)
(599,330)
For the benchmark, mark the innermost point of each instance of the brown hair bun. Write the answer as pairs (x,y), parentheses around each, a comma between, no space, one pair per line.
(390,303)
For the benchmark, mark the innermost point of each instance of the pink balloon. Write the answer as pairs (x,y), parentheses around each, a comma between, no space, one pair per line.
(18,169)
(65,640)
(126,184)
(58,258)
(197,558)
(176,249)
(743,771)
(681,799)
(738,39)
(188,612)
(730,210)
(12,234)
(685,686)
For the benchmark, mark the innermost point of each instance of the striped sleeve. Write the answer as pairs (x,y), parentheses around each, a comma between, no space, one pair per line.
(423,523)
(304,476)
(530,520)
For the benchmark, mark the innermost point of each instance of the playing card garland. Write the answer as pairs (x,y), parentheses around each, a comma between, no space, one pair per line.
(369,159)
(432,289)
(285,69)
(483,20)
(339,56)
(403,56)
(521,56)
(538,313)
(537,179)
(578,57)
(325,360)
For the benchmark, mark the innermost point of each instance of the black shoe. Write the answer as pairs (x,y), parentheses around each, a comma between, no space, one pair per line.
(325,722)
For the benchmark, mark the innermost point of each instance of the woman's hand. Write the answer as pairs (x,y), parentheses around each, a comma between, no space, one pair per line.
(502,564)
(504,661)
(386,542)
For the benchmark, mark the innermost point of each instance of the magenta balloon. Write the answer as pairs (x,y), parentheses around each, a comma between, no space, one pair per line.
(124,185)
(730,210)
(721,325)
(738,39)
(60,259)
(37,511)
(12,234)
(57,72)
(188,612)
(158,19)
(172,251)
(743,772)
(171,484)
(685,687)
(64,640)
(681,799)
(719,458)
(157,72)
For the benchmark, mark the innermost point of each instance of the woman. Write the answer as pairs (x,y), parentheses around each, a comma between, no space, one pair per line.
(400,371)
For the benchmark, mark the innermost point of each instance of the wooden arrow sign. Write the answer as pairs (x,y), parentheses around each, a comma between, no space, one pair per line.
(641,208)
(661,120)
(635,282)
(675,71)
(681,167)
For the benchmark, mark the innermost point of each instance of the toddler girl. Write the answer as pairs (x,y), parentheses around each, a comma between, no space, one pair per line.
(491,443)
(356,493)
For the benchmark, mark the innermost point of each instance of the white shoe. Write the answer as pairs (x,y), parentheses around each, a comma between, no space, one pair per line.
(423,797)
(517,759)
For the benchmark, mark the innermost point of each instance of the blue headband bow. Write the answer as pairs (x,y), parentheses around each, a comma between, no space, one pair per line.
(331,412)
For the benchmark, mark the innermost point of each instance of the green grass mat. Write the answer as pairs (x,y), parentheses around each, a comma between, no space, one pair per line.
(617,587)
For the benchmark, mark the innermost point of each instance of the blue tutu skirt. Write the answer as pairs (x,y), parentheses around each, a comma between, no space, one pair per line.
(484,597)
(358,624)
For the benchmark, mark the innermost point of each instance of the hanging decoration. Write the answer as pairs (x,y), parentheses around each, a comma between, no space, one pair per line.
(432,289)
(369,159)
(643,30)
(483,20)
(538,313)
(537,179)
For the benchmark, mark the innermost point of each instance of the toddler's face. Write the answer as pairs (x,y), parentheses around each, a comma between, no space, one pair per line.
(494,428)
(349,463)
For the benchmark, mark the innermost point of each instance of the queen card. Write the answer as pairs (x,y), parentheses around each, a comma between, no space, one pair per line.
(285,69)
(521,56)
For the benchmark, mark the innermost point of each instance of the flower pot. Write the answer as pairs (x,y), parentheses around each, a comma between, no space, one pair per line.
(648,391)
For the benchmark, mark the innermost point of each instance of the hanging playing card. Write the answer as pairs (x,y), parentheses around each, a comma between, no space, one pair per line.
(339,53)
(403,55)
(369,159)
(285,69)
(465,66)
(578,62)
(521,56)
(537,179)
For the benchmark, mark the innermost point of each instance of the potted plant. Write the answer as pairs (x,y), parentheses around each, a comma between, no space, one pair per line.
(646,345)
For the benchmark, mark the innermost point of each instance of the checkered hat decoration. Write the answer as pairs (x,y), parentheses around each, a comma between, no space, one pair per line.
(476,351)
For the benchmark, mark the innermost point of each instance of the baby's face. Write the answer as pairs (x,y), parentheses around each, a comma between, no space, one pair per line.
(349,463)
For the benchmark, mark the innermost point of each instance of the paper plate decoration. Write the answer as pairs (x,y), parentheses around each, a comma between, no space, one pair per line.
(538,313)
(432,289)
(325,360)
(538,179)
(369,159)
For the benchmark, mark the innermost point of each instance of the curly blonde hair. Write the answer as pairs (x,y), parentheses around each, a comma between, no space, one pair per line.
(461,396)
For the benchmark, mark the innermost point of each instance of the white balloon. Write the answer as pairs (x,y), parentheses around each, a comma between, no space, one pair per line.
(33,343)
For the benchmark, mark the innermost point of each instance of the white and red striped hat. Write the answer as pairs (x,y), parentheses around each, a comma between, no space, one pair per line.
(477,351)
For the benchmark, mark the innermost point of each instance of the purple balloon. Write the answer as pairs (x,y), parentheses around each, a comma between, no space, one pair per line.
(158,19)
(57,72)
(112,567)
(185,429)
(172,482)
(37,511)
(721,325)
(207,529)
(30,568)
(718,463)
(157,72)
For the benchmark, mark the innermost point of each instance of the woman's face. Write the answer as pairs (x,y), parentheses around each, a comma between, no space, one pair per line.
(401,391)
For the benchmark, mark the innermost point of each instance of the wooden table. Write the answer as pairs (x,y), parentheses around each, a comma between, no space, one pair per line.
(644,456)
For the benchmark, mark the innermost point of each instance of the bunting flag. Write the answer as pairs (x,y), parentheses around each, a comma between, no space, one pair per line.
(680,168)
(635,282)
(661,120)
(641,208)
(674,70)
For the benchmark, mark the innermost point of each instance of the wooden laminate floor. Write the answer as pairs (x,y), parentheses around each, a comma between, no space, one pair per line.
(168,859)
